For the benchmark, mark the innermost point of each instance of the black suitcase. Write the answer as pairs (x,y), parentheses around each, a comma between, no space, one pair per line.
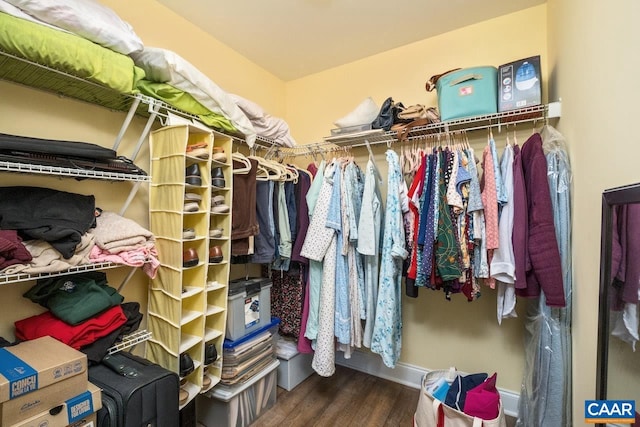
(140,394)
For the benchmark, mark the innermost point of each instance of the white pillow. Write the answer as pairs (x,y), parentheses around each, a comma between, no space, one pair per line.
(165,66)
(10,9)
(364,113)
(85,18)
(250,108)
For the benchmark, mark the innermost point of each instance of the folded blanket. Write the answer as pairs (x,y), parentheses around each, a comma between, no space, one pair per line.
(115,233)
(74,336)
(265,124)
(46,259)
(12,251)
(144,257)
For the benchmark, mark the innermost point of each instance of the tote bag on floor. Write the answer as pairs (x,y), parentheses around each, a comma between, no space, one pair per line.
(431,412)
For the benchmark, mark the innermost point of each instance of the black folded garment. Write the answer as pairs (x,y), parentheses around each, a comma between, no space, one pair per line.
(69,154)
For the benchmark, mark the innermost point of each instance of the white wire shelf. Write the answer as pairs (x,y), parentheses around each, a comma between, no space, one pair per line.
(523,115)
(130,340)
(23,277)
(70,172)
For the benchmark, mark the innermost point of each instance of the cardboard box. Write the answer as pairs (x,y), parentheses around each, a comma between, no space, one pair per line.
(519,84)
(78,411)
(35,364)
(31,404)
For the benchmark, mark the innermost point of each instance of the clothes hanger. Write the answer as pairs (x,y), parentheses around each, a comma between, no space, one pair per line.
(241,158)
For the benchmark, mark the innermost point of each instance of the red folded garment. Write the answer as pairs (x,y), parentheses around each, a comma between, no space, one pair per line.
(74,336)
(12,251)
(483,401)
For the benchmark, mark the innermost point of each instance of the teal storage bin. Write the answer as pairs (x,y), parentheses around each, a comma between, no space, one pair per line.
(468,92)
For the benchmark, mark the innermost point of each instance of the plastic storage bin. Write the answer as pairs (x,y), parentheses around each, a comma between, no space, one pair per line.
(249,306)
(294,370)
(241,405)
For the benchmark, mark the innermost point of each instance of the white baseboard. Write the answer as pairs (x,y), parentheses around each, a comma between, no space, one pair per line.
(409,375)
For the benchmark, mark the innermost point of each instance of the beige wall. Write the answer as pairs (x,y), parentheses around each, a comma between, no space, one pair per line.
(586,42)
(29,112)
(436,333)
(594,48)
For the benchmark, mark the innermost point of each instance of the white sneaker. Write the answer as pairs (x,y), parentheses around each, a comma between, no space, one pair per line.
(188,233)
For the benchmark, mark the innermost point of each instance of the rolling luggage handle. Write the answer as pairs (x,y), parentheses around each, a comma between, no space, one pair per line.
(117,364)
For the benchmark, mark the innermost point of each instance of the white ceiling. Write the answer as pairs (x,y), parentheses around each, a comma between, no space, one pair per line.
(295,38)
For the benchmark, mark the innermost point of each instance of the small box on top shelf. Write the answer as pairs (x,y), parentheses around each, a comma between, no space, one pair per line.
(519,84)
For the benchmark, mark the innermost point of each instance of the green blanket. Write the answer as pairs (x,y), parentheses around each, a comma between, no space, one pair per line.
(185,102)
(63,52)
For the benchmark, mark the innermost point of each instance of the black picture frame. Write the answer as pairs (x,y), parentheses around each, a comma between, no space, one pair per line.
(610,198)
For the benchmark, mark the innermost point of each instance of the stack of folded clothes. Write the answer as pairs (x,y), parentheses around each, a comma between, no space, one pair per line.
(247,356)
(84,312)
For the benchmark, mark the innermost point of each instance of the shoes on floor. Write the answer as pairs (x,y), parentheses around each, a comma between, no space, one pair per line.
(192,175)
(186,365)
(191,206)
(210,353)
(217,178)
(218,205)
(216,233)
(188,233)
(190,258)
(215,254)
(200,150)
(219,155)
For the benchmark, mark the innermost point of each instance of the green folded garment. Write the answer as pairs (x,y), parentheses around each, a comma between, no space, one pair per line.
(75,298)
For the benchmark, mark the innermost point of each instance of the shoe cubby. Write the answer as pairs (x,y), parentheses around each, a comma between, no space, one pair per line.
(182,318)
(219,236)
(190,213)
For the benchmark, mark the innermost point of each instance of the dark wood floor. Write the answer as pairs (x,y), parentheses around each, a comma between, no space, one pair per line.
(348,398)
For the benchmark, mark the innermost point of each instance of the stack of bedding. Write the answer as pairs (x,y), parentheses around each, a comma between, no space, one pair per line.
(86,39)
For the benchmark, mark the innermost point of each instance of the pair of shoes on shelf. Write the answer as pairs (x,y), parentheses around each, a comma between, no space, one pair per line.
(210,353)
(191,202)
(217,178)
(199,150)
(192,175)
(186,365)
(188,233)
(215,254)
(218,205)
(183,396)
(206,381)
(219,155)
(216,233)
(190,258)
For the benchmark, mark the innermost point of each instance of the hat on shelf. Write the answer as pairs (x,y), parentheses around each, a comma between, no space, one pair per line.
(364,113)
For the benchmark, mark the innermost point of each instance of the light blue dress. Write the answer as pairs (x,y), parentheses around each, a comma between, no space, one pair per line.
(315,267)
(342,313)
(387,330)
(369,243)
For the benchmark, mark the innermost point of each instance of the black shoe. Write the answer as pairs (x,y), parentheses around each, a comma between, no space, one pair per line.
(192,175)
(217,178)
(210,354)
(186,365)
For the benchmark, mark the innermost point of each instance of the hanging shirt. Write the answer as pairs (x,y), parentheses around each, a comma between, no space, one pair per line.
(369,234)
(334,221)
(387,330)
(503,267)
(319,187)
